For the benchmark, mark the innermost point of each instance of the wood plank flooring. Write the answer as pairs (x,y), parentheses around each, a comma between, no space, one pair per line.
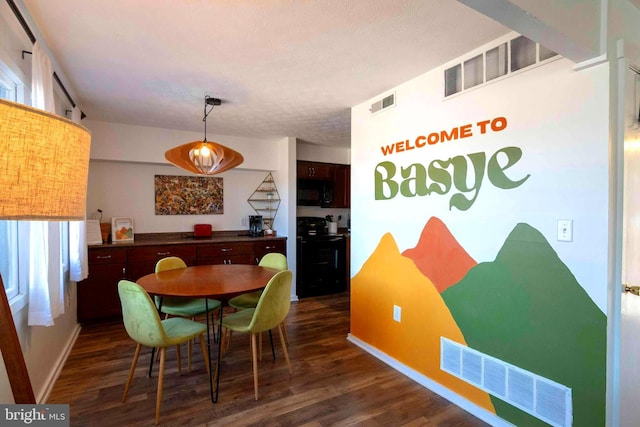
(334,383)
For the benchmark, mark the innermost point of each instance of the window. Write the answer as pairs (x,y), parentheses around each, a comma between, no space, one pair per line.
(500,61)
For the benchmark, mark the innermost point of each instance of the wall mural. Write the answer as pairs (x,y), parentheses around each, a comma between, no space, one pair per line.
(188,195)
(525,307)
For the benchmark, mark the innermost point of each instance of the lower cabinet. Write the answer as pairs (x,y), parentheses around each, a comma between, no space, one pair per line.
(225,253)
(98,298)
(98,294)
(142,260)
(262,248)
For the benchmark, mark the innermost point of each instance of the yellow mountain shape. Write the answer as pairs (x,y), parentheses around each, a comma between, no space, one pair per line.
(386,279)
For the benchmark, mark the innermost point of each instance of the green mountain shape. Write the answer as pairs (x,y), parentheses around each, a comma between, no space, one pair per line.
(527,308)
(439,256)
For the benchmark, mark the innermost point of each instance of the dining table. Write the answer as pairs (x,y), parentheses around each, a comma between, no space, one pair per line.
(217,281)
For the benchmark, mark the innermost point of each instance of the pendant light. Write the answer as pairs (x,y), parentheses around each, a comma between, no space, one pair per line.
(204,157)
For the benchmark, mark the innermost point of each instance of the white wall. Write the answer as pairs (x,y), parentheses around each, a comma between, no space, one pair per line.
(125,158)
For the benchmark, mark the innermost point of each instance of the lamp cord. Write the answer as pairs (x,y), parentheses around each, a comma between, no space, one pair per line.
(206,114)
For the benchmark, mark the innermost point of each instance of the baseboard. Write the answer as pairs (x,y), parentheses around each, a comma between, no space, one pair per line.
(433,386)
(57,367)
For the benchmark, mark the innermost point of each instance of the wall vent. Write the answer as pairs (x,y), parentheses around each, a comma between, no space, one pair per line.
(384,103)
(536,395)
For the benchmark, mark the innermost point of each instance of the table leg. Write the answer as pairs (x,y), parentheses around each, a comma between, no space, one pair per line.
(219,353)
(206,307)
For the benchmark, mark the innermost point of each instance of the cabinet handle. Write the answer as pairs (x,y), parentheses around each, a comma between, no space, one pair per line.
(269,247)
(226,249)
(163,253)
(103,257)
(124,272)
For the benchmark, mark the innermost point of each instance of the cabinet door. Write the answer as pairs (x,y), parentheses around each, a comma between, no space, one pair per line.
(264,247)
(314,170)
(225,253)
(142,260)
(98,294)
(342,187)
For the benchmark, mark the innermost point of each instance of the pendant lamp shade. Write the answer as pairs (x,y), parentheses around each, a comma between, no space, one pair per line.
(44,165)
(204,157)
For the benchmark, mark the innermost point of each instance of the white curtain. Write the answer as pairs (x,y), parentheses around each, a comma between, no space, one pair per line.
(46,295)
(78,252)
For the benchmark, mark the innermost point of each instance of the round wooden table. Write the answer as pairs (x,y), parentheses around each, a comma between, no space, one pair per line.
(219,281)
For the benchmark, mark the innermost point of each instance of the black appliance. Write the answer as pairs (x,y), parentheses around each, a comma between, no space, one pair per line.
(322,258)
(255,225)
(313,192)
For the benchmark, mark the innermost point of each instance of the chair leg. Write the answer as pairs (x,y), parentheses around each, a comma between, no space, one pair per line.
(179,359)
(254,358)
(204,353)
(260,346)
(286,334)
(131,371)
(284,348)
(163,353)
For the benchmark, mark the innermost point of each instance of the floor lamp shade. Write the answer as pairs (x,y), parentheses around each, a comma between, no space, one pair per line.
(44,165)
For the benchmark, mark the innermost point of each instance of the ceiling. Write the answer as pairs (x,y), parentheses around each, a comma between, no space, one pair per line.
(282,68)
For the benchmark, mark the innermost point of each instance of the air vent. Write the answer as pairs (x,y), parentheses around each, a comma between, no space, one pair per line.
(386,102)
(536,395)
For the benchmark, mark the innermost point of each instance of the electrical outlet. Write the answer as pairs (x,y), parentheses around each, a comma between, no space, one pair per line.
(397,313)
(244,221)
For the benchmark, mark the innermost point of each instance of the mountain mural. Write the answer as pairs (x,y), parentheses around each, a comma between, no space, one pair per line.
(439,256)
(386,279)
(527,308)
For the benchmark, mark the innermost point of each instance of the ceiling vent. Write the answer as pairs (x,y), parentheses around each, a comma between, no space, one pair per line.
(386,102)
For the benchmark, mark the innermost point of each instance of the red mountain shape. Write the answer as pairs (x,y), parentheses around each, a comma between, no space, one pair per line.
(439,256)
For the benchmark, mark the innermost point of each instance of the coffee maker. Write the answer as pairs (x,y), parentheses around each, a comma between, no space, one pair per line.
(255,225)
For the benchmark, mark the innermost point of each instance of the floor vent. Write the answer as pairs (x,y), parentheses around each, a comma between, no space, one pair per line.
(538,396)
(386,102)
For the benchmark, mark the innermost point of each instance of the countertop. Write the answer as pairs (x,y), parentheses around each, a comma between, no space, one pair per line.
(149,239)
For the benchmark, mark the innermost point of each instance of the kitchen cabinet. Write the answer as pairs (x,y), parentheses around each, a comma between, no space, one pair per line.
(142,260)
(98,298)
(98,294)
(225,253)
(341,186)
(315,170)
(262,248)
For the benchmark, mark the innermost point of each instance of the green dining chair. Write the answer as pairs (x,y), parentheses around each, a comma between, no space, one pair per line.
(271,310)
(143,324)
(273,260)
(183,307)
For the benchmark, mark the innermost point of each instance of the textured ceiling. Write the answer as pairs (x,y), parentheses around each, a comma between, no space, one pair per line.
(282,68)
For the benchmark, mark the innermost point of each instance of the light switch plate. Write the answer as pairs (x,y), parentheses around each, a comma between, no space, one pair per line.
(565,230)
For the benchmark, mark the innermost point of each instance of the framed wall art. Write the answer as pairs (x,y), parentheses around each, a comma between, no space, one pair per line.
(121,230)
(188,195)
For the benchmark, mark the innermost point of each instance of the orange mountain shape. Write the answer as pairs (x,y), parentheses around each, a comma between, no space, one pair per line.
(439,256)
(386,279)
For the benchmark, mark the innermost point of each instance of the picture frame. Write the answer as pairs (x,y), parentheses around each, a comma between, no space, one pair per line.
(122,230)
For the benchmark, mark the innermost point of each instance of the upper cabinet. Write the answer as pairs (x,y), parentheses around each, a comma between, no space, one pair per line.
(341,186)
(327,185)
(315,170)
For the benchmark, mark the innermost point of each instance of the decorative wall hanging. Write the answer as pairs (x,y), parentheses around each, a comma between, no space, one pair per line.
(188,195)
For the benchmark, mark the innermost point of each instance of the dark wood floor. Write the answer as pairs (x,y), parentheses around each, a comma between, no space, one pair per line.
(333,382)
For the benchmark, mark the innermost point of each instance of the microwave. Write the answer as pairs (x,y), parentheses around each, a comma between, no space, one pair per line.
(312,192)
